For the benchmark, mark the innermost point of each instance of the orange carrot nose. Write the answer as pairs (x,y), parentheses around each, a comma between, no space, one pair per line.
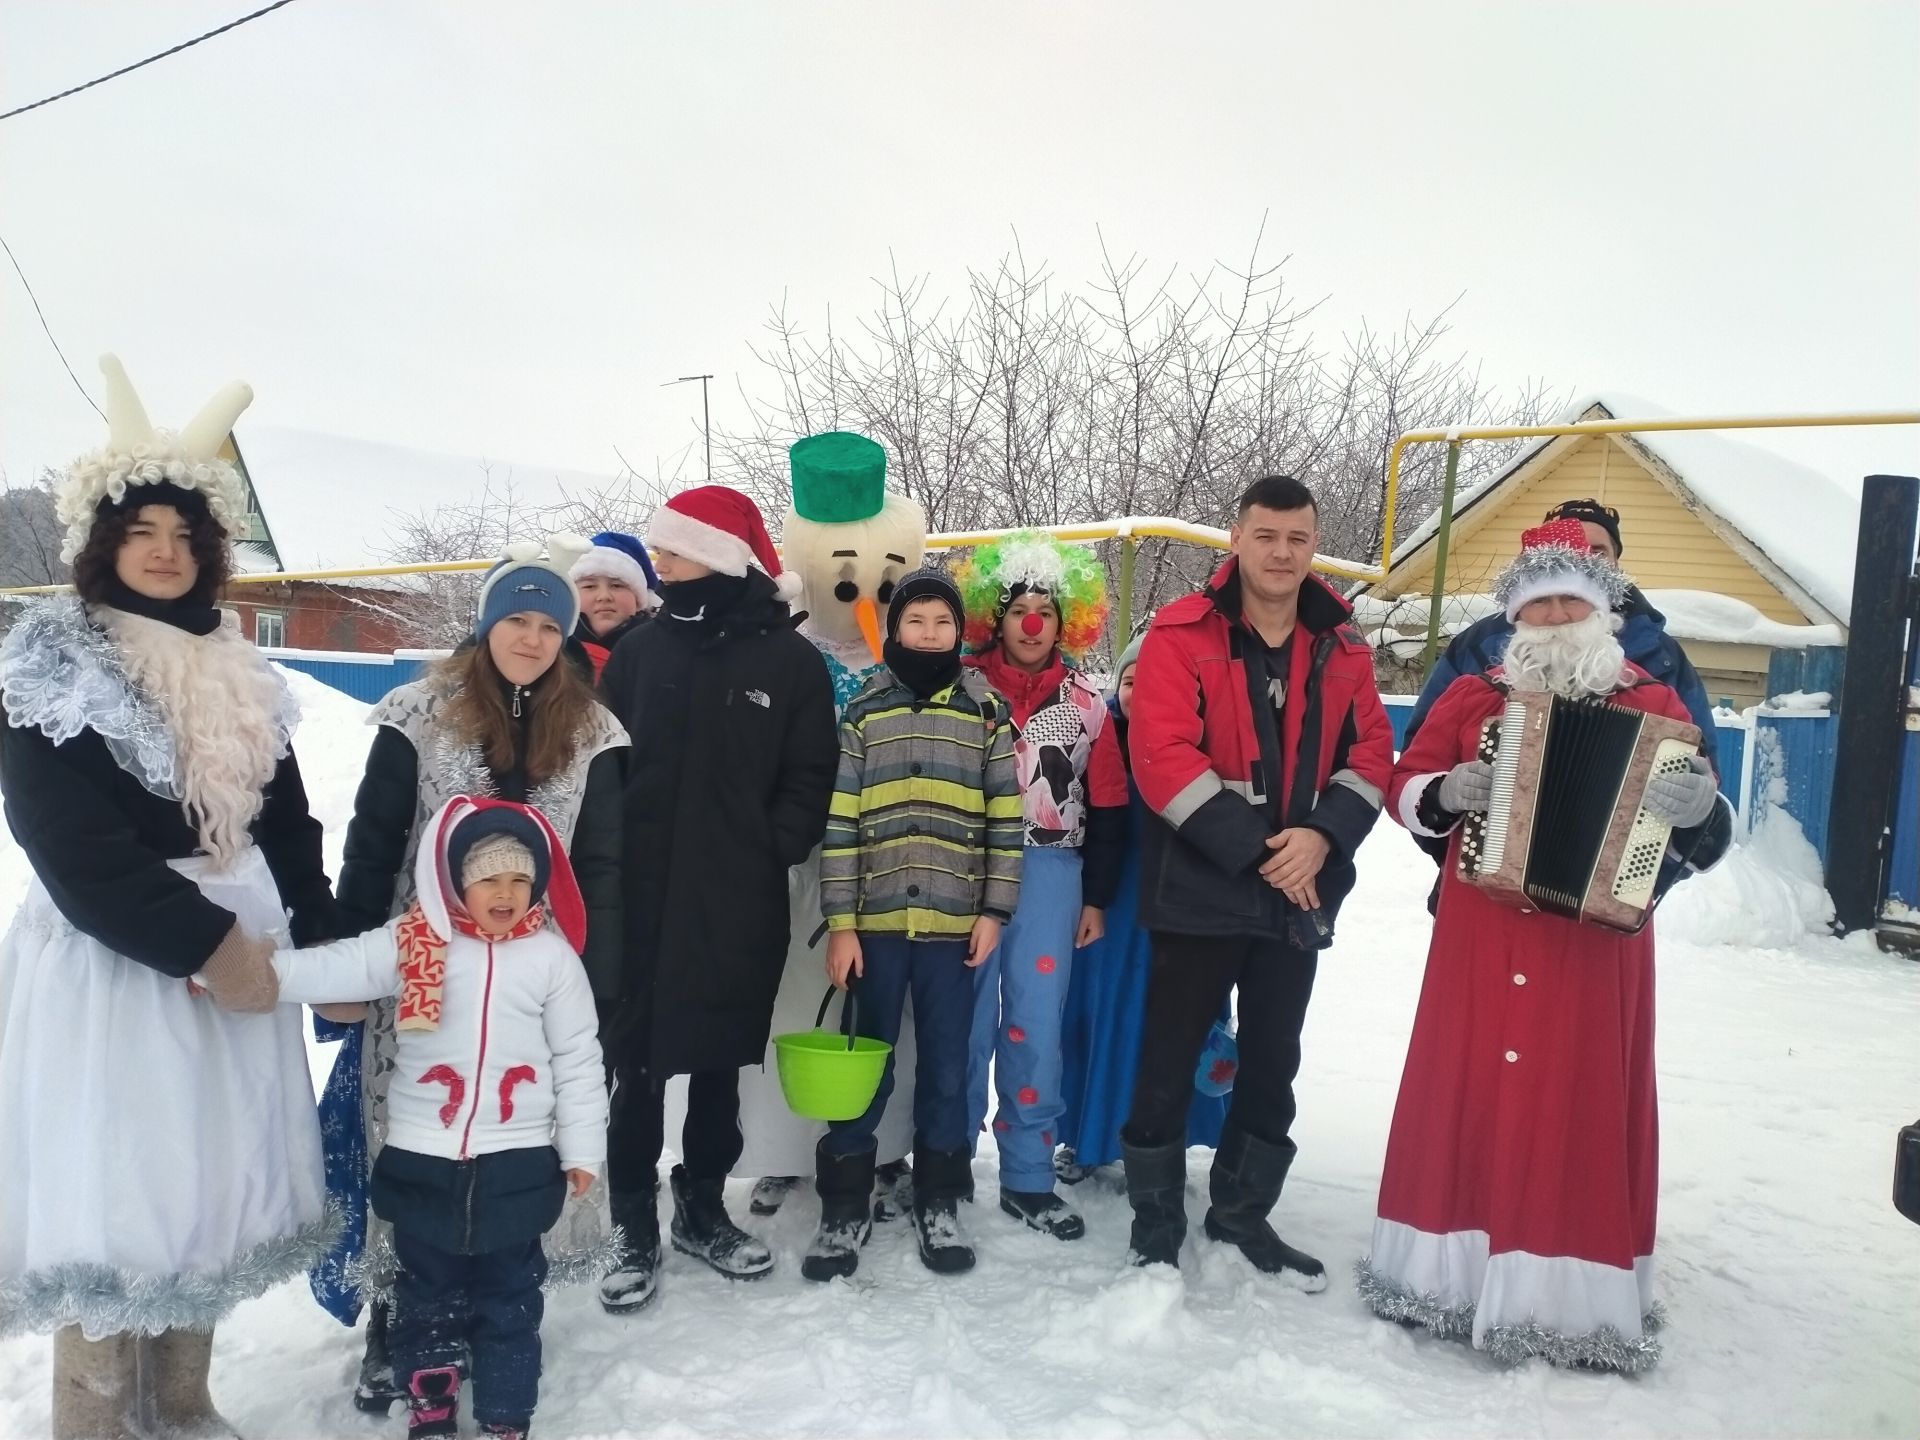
(867,614)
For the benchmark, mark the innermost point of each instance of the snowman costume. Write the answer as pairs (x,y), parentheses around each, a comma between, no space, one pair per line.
(850,541)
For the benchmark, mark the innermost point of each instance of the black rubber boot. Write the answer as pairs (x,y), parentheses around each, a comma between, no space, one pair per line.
(892,1191)
(632,1284)
(1157,1188)
(845,1183)
(1245,1185)
(770,1193)
(376,1389)
(703,1229)
(941,1180)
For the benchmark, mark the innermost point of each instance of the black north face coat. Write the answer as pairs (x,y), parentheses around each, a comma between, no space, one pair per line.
(735,746)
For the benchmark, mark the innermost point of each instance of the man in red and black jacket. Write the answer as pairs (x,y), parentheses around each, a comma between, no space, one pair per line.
(1259,738)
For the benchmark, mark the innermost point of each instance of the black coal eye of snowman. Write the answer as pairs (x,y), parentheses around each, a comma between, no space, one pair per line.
(885,593)
(846,592)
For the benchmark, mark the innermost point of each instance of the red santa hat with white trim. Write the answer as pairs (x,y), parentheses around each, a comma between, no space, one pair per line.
(722,529)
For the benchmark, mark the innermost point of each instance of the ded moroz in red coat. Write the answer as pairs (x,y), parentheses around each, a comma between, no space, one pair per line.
(1518,1197)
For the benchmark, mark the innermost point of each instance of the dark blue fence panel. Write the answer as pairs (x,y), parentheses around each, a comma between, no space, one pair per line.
(364,677)
(355,677)
(1794,767)
(1730,749)
(1903,864)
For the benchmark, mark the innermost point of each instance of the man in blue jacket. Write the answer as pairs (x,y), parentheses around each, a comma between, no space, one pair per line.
(1643,635)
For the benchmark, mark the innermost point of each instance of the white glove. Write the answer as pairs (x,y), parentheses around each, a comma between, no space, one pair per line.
(1685,798)
(1468,786)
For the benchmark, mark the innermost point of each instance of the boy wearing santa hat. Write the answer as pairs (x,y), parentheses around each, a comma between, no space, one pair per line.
(735,749)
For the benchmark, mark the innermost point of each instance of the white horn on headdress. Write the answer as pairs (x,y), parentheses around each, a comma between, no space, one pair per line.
(207,431)
(127,423)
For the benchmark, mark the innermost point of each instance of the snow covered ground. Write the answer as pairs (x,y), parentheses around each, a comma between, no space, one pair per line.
(1790,1280)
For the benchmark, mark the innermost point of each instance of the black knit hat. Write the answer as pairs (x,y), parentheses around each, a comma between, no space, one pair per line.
(1592,512)
(918,586)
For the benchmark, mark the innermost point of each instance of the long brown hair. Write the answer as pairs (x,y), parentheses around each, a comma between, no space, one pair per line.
(478,712)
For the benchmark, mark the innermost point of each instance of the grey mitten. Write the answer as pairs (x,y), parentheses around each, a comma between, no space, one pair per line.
(240,975)
(1466,787)
(1685,798)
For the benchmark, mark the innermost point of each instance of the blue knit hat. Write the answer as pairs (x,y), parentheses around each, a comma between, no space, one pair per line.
(621,557)
(525,580)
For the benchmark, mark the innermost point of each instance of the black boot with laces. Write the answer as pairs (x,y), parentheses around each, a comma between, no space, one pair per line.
(703,1229)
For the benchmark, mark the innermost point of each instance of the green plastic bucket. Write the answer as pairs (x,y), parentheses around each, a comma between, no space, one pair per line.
(830,1074)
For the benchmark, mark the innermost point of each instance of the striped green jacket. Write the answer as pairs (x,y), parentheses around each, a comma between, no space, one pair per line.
(925,832)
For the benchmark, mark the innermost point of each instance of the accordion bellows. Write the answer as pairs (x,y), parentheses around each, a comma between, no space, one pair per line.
(1565,831)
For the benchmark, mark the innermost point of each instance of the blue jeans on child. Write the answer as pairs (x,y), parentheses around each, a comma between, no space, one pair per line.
(489,1304)
(935,973)
(1020,995)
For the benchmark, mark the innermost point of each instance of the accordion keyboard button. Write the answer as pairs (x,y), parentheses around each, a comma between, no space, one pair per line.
(1519,979)
(1512,1055)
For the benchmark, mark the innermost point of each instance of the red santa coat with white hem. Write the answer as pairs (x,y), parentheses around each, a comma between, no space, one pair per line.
(1518,1198)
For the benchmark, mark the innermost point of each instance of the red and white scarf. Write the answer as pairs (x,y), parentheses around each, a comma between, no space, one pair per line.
(423,961)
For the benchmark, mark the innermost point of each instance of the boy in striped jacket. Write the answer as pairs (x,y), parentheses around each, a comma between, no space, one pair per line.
(919,870)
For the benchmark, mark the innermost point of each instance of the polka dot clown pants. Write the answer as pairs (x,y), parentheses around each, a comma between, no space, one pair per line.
(1020,995)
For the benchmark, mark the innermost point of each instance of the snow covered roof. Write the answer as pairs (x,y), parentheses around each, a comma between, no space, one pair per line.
(1690,615)
(1802,523)
(334,501)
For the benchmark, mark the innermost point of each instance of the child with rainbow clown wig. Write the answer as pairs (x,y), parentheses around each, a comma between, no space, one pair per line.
(1034,606)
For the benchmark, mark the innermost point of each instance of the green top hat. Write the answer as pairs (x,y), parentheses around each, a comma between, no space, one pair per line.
(837,477)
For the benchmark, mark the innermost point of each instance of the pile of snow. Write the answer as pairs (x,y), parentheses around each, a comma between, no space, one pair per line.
(332,744)
(1705,615)
(1799,702)
(1768,894)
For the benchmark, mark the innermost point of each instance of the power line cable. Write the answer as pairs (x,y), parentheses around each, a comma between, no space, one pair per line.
(49,329)
(129,69)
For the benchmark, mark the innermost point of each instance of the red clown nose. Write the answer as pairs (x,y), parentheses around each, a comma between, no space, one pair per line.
(1032,623)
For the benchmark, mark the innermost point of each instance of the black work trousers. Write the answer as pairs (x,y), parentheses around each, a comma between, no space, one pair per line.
(1190,979)
(710,1139)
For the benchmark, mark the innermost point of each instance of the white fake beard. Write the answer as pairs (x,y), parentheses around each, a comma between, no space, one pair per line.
(222,703)
(1578,660)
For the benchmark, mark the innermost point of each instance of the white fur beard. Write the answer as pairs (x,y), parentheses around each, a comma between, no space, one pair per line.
(222,703)
(1578,660)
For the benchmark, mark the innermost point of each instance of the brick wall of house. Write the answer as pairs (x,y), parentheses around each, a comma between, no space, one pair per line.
(316,616)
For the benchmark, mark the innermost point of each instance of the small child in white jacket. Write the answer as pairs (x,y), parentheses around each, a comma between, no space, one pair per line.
(499,1088)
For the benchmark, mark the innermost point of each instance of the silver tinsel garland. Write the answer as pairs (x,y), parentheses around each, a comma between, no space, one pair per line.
(1548,561)
(107,1300)
(371,1272)
(1602,1349)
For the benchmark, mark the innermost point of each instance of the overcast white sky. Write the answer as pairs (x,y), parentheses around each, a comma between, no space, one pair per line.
(494,230)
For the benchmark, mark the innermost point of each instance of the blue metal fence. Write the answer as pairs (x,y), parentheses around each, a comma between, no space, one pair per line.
(364,677)
(1903,864)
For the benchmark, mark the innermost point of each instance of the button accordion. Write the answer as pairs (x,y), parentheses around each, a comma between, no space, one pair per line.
(1565,831)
